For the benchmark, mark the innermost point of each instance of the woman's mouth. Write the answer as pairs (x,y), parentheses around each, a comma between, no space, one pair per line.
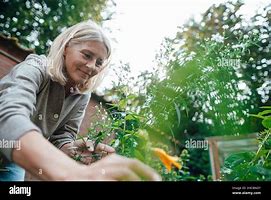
(84,74)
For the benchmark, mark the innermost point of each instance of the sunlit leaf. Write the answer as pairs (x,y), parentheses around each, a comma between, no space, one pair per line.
(258,116)
(267,122)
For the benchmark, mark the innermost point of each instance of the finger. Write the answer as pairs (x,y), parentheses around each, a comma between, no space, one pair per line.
(120,174)
(82,143)
(104,154)
(129,175)
(79,143)
(86,160)
(141,170)
(90,146)
(144,171)
(104,148)
(72,152)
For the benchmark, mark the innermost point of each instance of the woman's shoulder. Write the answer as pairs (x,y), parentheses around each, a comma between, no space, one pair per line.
(33,68)
(33,65)
(35,60)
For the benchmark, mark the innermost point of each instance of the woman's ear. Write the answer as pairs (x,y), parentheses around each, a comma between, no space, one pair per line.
(64,52)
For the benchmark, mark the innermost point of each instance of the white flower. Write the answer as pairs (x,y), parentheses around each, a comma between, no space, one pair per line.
(246,36)
(190,56)
(241,46)
(192,53)
(227,171)
(217,38)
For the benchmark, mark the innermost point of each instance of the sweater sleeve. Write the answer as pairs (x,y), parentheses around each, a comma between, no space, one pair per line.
(18,92)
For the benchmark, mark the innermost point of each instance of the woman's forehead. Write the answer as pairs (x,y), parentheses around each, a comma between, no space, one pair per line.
(95,47)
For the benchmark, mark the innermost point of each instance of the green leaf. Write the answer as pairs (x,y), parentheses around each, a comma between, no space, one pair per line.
(116,143)
(267,122)
(268,107)
(264,112)
(262,171)
(129,117)
(258,116)
(134,133)
(122,103)
(131,96)
(238,158)
(267,144)
(112,104)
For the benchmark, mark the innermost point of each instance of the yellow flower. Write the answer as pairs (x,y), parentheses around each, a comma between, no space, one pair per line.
(166,159)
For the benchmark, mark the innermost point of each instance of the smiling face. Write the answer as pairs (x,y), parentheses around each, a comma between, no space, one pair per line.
(84,60)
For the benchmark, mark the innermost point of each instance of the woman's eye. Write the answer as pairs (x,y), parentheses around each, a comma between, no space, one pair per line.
(87,56)
(99,63)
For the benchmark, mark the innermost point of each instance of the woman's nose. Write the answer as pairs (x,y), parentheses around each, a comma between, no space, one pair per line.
(90,65)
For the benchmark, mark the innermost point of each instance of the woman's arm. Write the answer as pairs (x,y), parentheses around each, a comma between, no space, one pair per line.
(42,159)
(18,91)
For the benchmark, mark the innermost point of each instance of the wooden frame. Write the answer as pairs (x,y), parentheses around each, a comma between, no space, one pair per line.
(221,146)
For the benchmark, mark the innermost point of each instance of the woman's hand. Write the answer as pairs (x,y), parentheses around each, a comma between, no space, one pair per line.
(112,168)
(119,168)
(84,150)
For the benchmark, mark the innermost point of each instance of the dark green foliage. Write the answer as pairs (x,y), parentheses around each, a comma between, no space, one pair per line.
(251,166)
(37,23)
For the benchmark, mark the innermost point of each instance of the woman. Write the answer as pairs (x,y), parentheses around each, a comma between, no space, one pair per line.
(42,102)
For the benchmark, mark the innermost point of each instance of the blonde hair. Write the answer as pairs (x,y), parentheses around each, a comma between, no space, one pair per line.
(81,32)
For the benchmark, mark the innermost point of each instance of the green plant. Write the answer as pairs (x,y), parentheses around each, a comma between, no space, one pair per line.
(123,129)
(198,96)
(252,165)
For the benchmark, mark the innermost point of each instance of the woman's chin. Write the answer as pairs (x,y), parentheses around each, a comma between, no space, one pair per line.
(80,82)
(80,79)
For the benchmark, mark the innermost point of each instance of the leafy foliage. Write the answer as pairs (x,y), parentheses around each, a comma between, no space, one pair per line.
(227,20)
(124,130)
(252,165)
(37,23)
(214,73)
